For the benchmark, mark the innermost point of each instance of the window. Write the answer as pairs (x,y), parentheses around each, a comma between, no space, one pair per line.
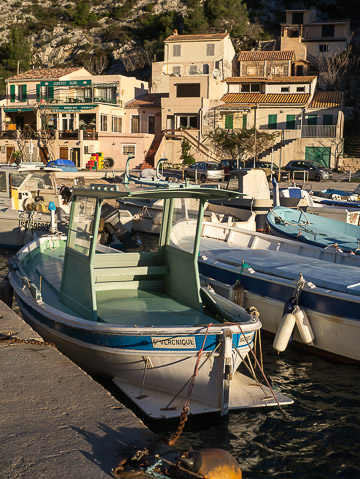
(210,49)
(323,48)
(277,70)
(176,70)
(272,122)
(103,123)
(245,88)
(328,119)
(300,89)
(188,90)
(285,89)
(312,120)
(244,122)
(12,93)
(299,70)
(116,124)
(251,71)
(290,122)
(22,92)
(206,69)
(3,188)
(129,149)
(255,88)
(68,121)
(229,122)
(151,124)
(135,124)
(298,18)
(293,33)
(189,121)
(193,69)
(81,230)
(176,50)
(327,30)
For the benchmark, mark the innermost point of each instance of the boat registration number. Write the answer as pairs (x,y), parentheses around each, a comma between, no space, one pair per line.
(180,342)
(34,225)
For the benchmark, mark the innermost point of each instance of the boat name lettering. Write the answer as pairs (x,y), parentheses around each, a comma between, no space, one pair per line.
(34,225)
(174,342)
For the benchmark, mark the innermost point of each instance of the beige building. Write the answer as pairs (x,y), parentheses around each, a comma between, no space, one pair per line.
(83,114)
(265,63)
(309,124)
(193,55)
(312,38)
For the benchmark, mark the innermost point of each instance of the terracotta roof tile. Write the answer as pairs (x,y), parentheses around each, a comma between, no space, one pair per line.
(195,38)
(258,55)
(45,73)
(266,98)
(301,79)
(326,99)
(149,100)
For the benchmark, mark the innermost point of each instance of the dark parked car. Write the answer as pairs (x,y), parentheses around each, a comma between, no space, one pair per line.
(316,172)
(266,165)
(228,166)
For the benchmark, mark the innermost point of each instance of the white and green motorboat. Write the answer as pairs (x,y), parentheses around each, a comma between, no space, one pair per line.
(141,319)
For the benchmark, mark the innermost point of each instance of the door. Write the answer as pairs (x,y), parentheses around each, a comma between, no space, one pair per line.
(229,122)
(290,122)
(318,154)
(64,153)
(9,154)
(75,157)
(272,122)
(44,156)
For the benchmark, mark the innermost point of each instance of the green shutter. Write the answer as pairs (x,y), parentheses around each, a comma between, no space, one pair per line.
(328,120)
(12,93)
(244,122)
(24,92)
(228,122)
(290,122)
(38,92)
(272,122)
(312,120)
(51,91)
(318,154)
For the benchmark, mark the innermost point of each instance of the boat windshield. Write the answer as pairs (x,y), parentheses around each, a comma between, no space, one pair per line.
(32,181)
(184,221)
(82,225)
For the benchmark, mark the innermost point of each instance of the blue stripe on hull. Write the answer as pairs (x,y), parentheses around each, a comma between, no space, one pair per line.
(126,341)
(308,299)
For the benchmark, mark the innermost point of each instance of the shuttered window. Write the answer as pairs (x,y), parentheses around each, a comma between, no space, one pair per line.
(328,120)
(312,120)
(290,122)
(38,92)
(229,122)
(12,93)
(272,123)
(244,122)
(24,92)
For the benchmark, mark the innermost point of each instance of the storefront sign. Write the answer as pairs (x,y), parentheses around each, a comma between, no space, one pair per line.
(66,83)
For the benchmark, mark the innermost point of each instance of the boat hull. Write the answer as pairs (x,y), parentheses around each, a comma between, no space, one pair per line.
(165,370)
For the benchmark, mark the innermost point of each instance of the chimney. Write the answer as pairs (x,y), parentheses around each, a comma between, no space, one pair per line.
(175,32)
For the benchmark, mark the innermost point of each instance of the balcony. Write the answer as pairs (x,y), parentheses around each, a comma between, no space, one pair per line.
(68,135)
(8,134)
(318,131)
(90,135)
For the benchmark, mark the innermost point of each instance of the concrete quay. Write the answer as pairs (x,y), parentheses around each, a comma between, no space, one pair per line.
(56,421)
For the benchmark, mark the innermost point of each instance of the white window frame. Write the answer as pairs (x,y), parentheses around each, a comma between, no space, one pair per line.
(300,89)
(323,48)
(193,69)
(285,89)
(121,122)
(129,148)
(104,122)
(176,70)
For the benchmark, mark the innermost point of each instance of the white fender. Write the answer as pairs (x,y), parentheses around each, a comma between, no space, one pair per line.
(284,332)
(304,326)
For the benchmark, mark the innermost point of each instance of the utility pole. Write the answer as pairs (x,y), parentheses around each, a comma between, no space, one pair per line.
(255,138)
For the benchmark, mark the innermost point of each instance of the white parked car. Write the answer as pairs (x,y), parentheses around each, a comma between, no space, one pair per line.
(205,171)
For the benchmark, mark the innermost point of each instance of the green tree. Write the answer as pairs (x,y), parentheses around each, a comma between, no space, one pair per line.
(186,156)
(16,52)
(241,144)
(82,16)
(227,14)
(196,21)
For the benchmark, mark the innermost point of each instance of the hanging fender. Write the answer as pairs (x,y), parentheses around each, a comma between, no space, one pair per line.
(303,325)
(284,332)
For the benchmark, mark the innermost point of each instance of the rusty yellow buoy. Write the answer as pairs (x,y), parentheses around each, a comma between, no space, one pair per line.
(211,464)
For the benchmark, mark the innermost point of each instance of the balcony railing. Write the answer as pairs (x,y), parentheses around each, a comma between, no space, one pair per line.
(318,131)
(90,135)
(8,134)
(69,135)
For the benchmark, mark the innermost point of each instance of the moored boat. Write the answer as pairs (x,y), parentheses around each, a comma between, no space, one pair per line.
(268,268)
(141,319)
(314,229)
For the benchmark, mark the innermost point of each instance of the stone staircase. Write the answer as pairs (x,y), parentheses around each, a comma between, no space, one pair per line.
(352,139)
(266,154)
